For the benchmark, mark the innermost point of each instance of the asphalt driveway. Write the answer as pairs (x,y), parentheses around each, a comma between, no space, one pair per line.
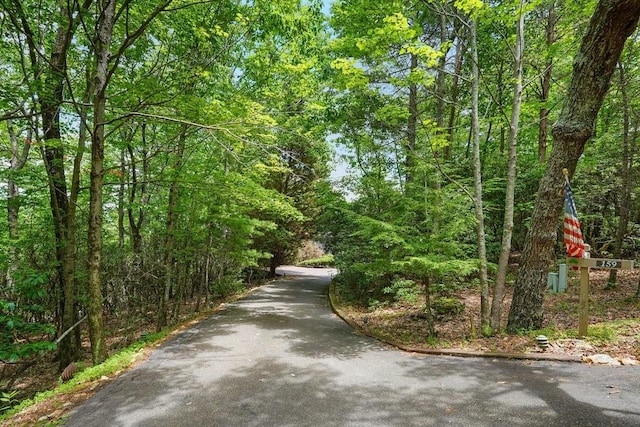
(280,357)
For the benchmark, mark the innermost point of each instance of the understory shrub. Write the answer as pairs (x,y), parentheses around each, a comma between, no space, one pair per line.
(446,305)
(403,290)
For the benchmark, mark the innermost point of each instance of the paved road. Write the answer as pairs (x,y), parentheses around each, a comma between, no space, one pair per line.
(280,358)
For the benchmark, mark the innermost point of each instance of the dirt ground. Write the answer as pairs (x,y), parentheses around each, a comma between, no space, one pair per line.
(614,322)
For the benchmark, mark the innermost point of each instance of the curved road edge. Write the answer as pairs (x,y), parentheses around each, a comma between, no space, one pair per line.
(336,308)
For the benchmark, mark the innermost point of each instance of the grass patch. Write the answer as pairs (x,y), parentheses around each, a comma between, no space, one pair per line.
(326,260)
(602,333)
(553,333)
(596,334)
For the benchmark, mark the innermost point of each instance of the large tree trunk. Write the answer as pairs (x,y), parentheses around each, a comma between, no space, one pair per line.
(612,22)
(507,229)
(62,206)
(94,255)
(53,155)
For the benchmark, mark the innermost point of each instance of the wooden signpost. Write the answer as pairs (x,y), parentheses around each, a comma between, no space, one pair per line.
(585,264)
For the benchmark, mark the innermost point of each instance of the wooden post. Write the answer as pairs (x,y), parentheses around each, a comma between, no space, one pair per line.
(585,264)
(584,302)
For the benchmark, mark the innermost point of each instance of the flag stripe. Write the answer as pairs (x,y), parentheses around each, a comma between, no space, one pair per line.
(571,226)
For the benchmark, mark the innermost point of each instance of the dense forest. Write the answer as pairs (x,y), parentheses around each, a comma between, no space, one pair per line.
(157,155)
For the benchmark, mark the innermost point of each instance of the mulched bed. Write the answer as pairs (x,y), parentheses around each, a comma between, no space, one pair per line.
(612,312)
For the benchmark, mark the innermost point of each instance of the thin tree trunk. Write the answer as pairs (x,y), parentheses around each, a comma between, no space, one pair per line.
(543,134)
(274,262)
(94,251)
(412,125)
(19,157)
(477,179)
(460,50)
(121,190)
(172,219)
(70,346)
(440,76)
(71,313)
(431,331)
(626,173)
(507,230)
(207,270)
(612,22)
(436,202)
(487,138)
(136,222)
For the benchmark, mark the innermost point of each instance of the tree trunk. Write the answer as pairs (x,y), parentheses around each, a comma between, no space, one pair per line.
(71,313)
(545,84)
(121,190)
(18,159)
(460,50)
(94,250)
(500,101)
(507,228)
(136,221)
(441,75)
(172,219)
(612,22)
(624,203)
(62,207)
(274,262)
(412,125)
(477,179)
(426,283)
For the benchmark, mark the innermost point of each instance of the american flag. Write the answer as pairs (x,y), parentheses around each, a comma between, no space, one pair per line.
(571,225)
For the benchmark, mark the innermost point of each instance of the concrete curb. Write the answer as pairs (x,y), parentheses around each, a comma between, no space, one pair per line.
(447,352)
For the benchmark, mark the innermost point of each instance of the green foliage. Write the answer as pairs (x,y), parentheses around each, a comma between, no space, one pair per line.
(21,337)
(327,260)
(403,291)
(385,255)
(551,331)
(601,333)
(470,7)
(225,287)
(437,266)
(598,333)
(8,400)
(236,84)
(447,306)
